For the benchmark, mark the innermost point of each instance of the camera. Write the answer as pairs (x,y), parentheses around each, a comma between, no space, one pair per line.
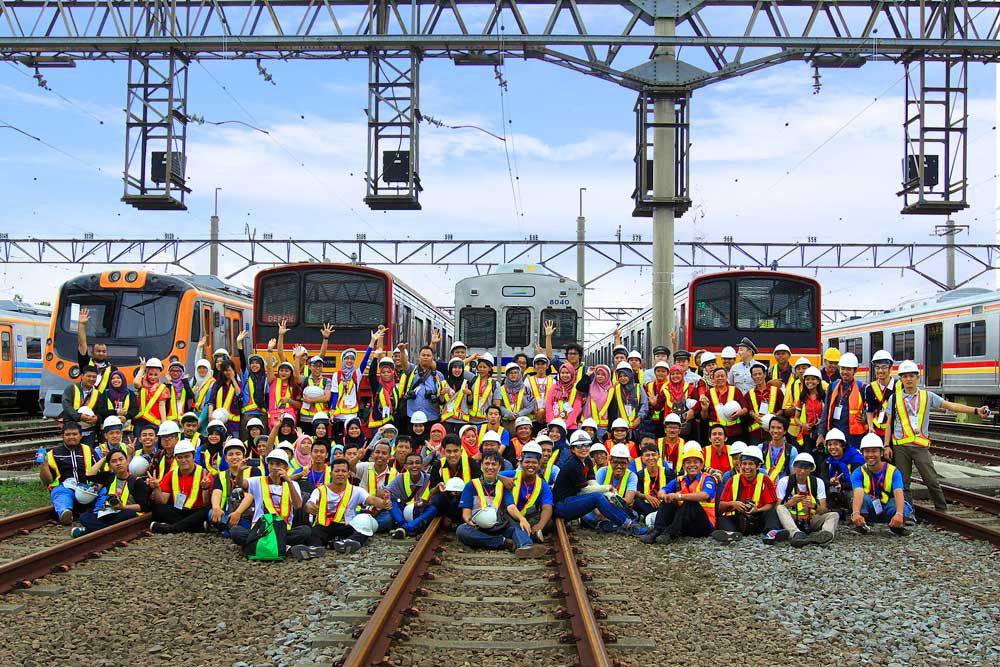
(432,396)
(410,395)
(114,501)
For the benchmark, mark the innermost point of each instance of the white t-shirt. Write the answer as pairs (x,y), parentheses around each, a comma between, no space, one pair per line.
(254,489)
(381,480)
(782,486)
(333,499)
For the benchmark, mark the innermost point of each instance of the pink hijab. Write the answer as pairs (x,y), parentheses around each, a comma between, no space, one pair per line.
(305,459)
(599,390)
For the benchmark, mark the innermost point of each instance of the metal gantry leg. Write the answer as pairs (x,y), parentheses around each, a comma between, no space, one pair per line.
(156,133)
(392,177)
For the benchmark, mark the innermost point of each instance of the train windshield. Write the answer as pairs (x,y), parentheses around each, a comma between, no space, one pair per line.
(775,304)
(345,299)
(565,321)
(122,314)
(477,327)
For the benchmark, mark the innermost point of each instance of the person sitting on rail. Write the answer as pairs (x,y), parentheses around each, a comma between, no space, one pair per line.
(598,401)
(844,407)
(802,508)
(531,493)
(598,454)
(651,477)
(375,475)
(747,501)
(549,469)
(717,458)
(841,463)
(723,394)
(909,438)
(878,491)
(657,397)
(618,435)
(122,401)
(512,397)
(778,453)
(182,497)
(490,518)
(735,452)
(571,503)
(111,437)
(122,496)
(764,398)
(671,444)
(739,374)
(493,425)
(628,402)
(228,488)
(520,437)
(66,464)
(410,495)
(334,507)
(686,503)
(227,396)
(491,443)
(455,463)
(564,401)
(84,394)
(621,480)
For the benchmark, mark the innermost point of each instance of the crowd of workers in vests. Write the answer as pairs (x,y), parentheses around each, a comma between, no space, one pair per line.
(680,445)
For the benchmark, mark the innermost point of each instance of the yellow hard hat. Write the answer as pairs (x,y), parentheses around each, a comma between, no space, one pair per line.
(832,354)
(692,450)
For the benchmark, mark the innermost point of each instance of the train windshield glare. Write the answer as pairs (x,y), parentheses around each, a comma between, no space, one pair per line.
(779,305)
(345,299)
(125,314)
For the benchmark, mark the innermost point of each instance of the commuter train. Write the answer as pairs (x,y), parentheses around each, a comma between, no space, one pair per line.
(503,312)
(954,337)
(716,310)
(140,314)
(22,330)
(354,299)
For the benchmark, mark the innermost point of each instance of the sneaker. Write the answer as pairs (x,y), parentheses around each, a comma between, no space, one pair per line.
(301,552)
(774,536)
(349,546)
(161,528)
(77,532)
(66,517)
(650,537)
(724,536)
(318,552)
(537,536)
(863,529)
(901,532)
(397,533)
(530,551)
(821,537)
(800,539)
(664,538)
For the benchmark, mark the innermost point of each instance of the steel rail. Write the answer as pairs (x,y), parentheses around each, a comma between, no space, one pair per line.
(959,525)
(25,521)
(18,434)
(589,638)
(16,460)
(983,455)
(984,503)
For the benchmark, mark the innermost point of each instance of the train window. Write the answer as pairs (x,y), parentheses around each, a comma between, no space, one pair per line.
(518,291)
(565,321)
(279,299)
(856,347)
(902,345)
(834,343)
(5,346)
(970,339)
(101,316)
(144,315)
(477,327)
(517,328)
(33,347)
(775,304)
(713,305)
(876,341)
(418,337)
(345,299)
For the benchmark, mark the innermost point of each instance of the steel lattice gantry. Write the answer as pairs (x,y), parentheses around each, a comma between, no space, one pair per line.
(662,49)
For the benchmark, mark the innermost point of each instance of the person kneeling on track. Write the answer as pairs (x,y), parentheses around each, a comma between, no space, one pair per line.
(802,508)
(488,508)
(878,492)
(572,503)
(622,481)
(531,493)
(688,501)
(747,501)
(66,467)
(229,488)
(182,495)
(410,494)
(334,508)
(122,497)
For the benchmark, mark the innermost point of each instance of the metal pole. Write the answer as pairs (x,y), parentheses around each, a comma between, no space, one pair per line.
(581,235)
(950,232)
(664,167)
(213,235)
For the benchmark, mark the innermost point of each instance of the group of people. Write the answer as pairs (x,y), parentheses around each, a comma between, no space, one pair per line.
(384,445)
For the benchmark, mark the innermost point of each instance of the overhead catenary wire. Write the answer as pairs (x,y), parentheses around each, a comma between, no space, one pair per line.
(499,72)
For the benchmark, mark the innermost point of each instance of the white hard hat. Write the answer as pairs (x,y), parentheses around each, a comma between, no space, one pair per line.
(312,392)
(802,361)
(278,454)
(111,422)
(461,431)
(487,357)
(579,435)
(619,423)
(234,442)
(806,459)
(731,408)
(661,364)
(835,434)
(418,417)
(321,416)
(153,362)
(221,352)
(184,447)
(848,360)
(882,355)
(204,363)
(765,420)
(689,403)
(138,465)
(315,359)
(168,428)
(85,494)
(753,452)
(634,354)
(523,420)
(908,367)
(871,441)
(491,436)
(620,451)
(407,512)
(781,347)
(86,410)
(457,344)
(737,448)
(254,421)
(215,423)
(728,352)
(597,447)
(531,447)
(511,366)
(709,356)
(814,372)
(189,415)
(298,350)
(672,418)
(221,414)
(454,485)
(622,366)
(560,422)
(539,357)
(650,520)
(589,422)
(692,450)
(486,517)
(364,524)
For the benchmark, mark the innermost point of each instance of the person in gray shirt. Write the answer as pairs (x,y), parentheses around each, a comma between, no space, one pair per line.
(739,374)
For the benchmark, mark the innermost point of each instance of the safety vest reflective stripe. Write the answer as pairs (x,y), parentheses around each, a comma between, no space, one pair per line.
(707,505)
(225,400)
(532,498)
(647,479)
(210,461)
(251,404)
(50,460)
(226,487)
(149,405)
(284,509)
(774,373)
(772,398)
(540,394)
(407,488)
(734,485)
(801,511)
(175,406)
(309,409)
(466,470)
(774,471)
(518,400)
(386,399)
(78,401)
(484,500)
(163,465)
(633,418)
(103,378)
(323,518)
(563,408)
(713,394)
(345,390)
(371,479)
(202,393)
(175,486)
(120,488)
(600,413)
(855,408)
(482,390)
(710,463)
(911,436)
(661,443)
(880,418)
(453,408)
(484,429)
(650,387)
(885,489)
(548,468)
(622,483)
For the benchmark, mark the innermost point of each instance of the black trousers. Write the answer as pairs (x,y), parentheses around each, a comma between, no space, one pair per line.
(322,536)
(687,519)
(750,524)
(184,520)
(447,506)
(293,536)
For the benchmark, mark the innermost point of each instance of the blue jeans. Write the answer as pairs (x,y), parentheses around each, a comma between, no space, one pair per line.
(575,507)
(888,510)
(91,522)
(62,499)
(478,539)
(419,520)
(385,522)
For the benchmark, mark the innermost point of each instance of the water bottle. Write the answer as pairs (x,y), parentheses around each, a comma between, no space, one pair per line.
(40,455)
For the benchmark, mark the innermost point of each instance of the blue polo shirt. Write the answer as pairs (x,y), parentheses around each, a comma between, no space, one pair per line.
(707,485)
(544,497)
(470,499)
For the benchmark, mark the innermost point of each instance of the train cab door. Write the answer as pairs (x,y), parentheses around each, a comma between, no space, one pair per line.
(933,352)
(234,325)
(207,329)
(6,355)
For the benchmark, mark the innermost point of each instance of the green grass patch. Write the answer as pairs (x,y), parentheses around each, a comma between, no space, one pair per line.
(18,496)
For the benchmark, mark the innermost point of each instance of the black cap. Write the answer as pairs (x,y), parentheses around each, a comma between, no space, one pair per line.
(661,349)
(747,343)
(681,354)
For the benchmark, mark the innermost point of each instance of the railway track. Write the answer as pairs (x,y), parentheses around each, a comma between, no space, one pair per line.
(30,433)
(25,522)
(397,627)
(951,427)
(979,519)
(981,454)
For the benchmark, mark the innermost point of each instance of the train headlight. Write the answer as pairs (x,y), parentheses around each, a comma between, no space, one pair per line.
(131,276)
(49,356)
(180,345)
(74,372)
(60,365)
(114,276)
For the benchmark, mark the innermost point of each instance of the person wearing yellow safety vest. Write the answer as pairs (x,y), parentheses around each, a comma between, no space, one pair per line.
(671,444)
(122,496)
(334,508)
(282,393)
(746,503)
(456,379)
(879,393)
(634,360)
(531,493)
(521,435)
(454,464)
(180,396)
(490,518)
(84,394)
(278,495)
(227,395)
(385,393)
(844,407)
(716,457)
(122,401)
(208,452)
(629,401)
(651,476)
(878,492)
(908,441)
(228,488)
(493,425)
(182,496)
(802,508)
(687,503)
(345,400)
(621,480)
(598,399)
(539,382)
(479,390)
(658,396)
(97,355)
(513,397)
(724,404)
(65,466)
(308,404)
(111,438)
(763,399)
(410,493)
(549,469)
(374,477)
(152,394)
(781,373)
(167,435)
(803,404)
(778,452)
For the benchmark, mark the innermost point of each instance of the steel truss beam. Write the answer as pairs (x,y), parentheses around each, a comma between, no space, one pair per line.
(604,257)
(610,39)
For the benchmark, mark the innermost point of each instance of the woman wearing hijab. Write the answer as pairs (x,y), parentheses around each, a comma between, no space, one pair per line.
(679,393)
(563,401)
(202,385)
(513,397)
(599,398)
(253,390)
(122,398)
(226,395)
(181,395)
(353,435)
(628,400)
(453,414)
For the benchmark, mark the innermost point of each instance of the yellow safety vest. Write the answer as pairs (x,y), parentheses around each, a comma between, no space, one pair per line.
(539,394)
(911,436)
(466,470)
(799,512)
(718,412)
(284,509)
(371,479)
(775,374)
(734,484)
(482,391)
(484,500)
(147,403)
(599,413)
(772,398)
(633,419)
(225,401)
(345,389)
(453,407)
(322,517)
(622,483)
(50,460)
(868,483)
(774,471)
(518,400)
(103,378)
(408,489)
(175,486)
(202,393)
(78,401)
(309,409)
(532,498)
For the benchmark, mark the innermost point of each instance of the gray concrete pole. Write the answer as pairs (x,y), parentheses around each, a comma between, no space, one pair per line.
(213,235)
(664,166)
(950,253)
(581,274)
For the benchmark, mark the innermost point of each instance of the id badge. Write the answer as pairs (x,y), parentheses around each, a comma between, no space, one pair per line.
(763,408)
(629,410)
(179,501)
(565,407)
(386,412)
(350,401)
(837,410)
(877,504)
(914,423)
(880,417)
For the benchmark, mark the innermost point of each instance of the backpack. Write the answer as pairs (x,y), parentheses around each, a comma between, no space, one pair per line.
(267,539)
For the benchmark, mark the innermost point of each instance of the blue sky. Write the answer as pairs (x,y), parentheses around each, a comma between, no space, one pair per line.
(569,131)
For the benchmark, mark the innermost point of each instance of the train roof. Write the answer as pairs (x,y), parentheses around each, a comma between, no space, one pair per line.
(41,313)
(952,300)
(521,272)
(204,283)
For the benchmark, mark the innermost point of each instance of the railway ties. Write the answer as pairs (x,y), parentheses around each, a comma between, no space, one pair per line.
(982,454)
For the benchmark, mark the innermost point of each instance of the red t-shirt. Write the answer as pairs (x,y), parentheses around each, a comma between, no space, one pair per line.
(767,492)
(717,461)
(735,430)
(184,484)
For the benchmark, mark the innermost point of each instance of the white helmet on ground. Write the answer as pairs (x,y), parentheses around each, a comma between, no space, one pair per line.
(407,512)
(650,519)
(486,517)
(364,524)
